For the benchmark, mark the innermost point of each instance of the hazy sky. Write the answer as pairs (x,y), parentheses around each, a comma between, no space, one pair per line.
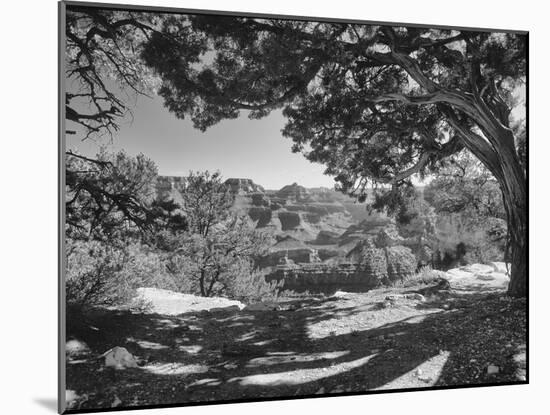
(241,148)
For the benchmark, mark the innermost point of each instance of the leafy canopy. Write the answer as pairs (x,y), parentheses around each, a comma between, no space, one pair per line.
(373,103)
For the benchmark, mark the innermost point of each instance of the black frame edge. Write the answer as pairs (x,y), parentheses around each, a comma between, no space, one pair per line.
(61,310)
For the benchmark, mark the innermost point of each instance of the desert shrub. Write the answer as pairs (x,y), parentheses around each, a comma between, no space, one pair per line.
(401,263)
(92,267)
(426,275)
(249,285)
(101,274)
(144,266)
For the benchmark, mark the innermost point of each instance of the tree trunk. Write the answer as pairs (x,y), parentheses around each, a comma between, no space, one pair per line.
(201,284)
(514,192)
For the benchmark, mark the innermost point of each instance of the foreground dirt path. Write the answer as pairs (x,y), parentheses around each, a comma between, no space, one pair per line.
(384,339)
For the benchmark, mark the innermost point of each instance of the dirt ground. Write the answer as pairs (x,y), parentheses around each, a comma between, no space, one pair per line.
(348,342)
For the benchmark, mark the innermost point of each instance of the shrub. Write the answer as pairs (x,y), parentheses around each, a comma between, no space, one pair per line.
(426,275)
(99,274)
(401,263)
(91,270)
(249,285)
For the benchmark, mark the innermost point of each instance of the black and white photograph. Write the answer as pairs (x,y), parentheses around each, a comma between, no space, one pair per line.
(266,207)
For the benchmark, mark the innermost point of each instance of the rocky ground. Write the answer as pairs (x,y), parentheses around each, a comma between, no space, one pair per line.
(409,337)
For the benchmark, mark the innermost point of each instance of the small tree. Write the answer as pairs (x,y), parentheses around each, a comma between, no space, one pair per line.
(464,186)
(219,245)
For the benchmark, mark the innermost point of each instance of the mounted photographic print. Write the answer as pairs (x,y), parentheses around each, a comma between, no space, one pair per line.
(260,207)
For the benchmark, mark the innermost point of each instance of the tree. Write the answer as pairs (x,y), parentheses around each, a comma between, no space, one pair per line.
(113,197)
(464,186)
(103,68)
(468,201)
(219,245)
(375,104)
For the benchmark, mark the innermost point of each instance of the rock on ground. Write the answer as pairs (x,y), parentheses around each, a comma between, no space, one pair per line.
(477,277)
(119,358)
(76,348)
(172,303)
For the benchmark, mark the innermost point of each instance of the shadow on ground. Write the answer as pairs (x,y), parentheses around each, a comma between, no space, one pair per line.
(324,346)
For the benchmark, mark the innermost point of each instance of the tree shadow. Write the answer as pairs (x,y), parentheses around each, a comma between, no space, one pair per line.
(319,348)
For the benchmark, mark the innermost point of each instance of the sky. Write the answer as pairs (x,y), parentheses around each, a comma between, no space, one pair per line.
(240,148)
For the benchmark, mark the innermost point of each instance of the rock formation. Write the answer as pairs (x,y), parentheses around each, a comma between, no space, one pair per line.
(243,186)
(294,192)
(327,239)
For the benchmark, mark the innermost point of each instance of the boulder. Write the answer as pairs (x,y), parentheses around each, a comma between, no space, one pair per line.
(76,348)
(172,303)
(478,268)
(416,297)
(119,358)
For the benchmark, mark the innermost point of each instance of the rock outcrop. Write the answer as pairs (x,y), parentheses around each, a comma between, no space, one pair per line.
(289,220)
(326,238)
(329,224)
(294,192)
(260,215)
(401,263)
(322,278)
(243,186)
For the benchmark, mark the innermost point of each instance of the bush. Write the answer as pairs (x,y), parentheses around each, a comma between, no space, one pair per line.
(91,270)
(426,275)
(99,274)
(249,285)
(401,263)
